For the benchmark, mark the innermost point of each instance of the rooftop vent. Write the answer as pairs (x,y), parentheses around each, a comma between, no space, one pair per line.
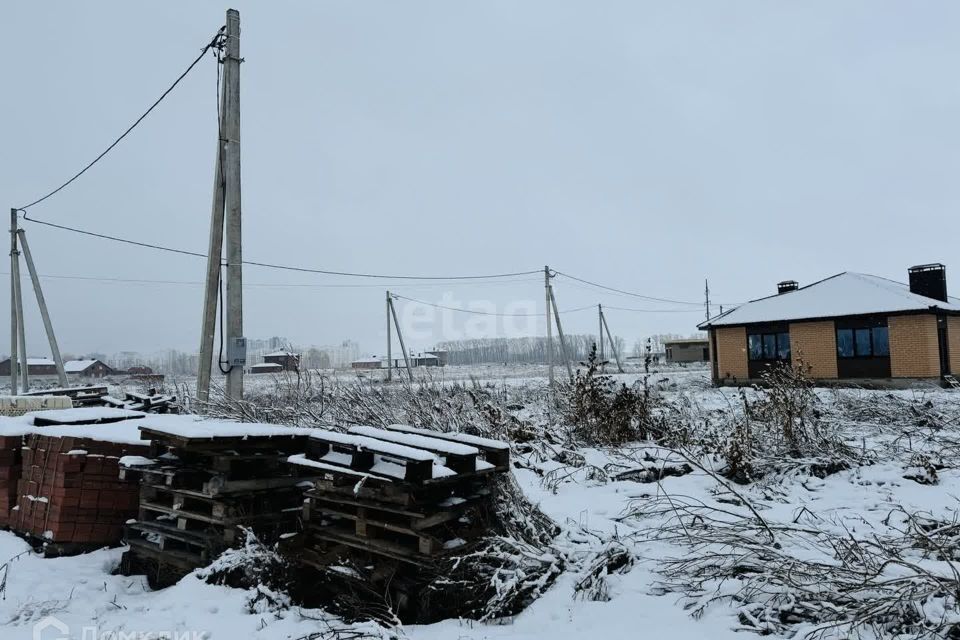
(786,286)
(929,280)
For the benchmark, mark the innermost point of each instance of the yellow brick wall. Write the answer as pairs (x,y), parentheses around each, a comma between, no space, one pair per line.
(914,351)
(732,352)
(816,344)
(953,343)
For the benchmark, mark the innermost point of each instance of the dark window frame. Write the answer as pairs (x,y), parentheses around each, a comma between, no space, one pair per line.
(854,343)
(780,338)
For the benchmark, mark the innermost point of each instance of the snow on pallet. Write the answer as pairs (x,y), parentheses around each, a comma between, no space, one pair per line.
(406,496)
(204,480)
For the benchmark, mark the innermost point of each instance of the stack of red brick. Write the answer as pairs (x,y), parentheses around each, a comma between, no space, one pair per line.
(70,490)
(9,475)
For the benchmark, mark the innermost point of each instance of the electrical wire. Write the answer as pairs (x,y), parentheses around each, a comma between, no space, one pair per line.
(279,285)
(486,313)
(281,267)
(104,236)
(215,42)
(637,295)
(606,306)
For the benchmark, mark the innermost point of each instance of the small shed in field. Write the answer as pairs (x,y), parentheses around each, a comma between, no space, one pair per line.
(286,360)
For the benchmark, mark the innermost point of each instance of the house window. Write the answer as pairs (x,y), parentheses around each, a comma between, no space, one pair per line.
(863,343)
(768,346)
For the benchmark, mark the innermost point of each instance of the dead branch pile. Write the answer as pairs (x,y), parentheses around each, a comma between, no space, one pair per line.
(812,577)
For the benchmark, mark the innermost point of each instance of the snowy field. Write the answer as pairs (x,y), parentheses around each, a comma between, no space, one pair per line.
(875,483)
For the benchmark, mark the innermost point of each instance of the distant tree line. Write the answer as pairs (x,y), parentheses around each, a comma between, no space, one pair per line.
(530,350)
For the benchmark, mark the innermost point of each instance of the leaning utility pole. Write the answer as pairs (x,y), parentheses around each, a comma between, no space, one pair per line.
(563,340)
(14,267)
(546,288)
(403,347)
(44,313)
(226,212)
(613,345)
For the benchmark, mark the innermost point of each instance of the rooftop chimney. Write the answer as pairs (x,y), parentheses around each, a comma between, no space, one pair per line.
(929,280)
(786,286)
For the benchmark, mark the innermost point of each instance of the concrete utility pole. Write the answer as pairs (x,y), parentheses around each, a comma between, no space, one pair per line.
(563,341)
(21,328)
(613,345)
(42,303)
(706,293)
(232,215)
(600,332)
(403,347)
(13,303)
(546,288)
(225,209)
(389,343)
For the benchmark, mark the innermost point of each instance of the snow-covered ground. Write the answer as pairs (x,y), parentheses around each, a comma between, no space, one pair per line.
(85,596)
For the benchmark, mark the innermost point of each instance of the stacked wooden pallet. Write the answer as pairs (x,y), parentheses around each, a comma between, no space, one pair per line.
(70,497)
(411,495)
(200,485)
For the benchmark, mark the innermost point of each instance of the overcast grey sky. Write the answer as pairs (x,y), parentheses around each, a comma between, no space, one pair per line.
(644,145)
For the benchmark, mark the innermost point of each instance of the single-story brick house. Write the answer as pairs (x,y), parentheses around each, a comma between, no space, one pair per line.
(851,328)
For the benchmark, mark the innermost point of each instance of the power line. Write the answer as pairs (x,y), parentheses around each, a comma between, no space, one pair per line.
(276,285)
(606,306)
(631,293)
(281,267)
(486,313)
(103,236)
(215,42)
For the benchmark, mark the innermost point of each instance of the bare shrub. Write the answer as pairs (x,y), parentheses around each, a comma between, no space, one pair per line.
(604,412)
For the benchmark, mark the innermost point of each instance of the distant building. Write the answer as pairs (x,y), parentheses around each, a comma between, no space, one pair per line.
(689,350)
(267,367)
(851,328)
(35,367)
(423,359)
(86,368)
(286,360)
(140,370)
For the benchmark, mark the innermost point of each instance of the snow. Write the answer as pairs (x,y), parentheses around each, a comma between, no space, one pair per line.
(83,591)
(85,414)
(302,460)
(135,461)
(845,294)
(465,438)
(195,427)
(372,444)
(414,440)
(122,432)
(78,366)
